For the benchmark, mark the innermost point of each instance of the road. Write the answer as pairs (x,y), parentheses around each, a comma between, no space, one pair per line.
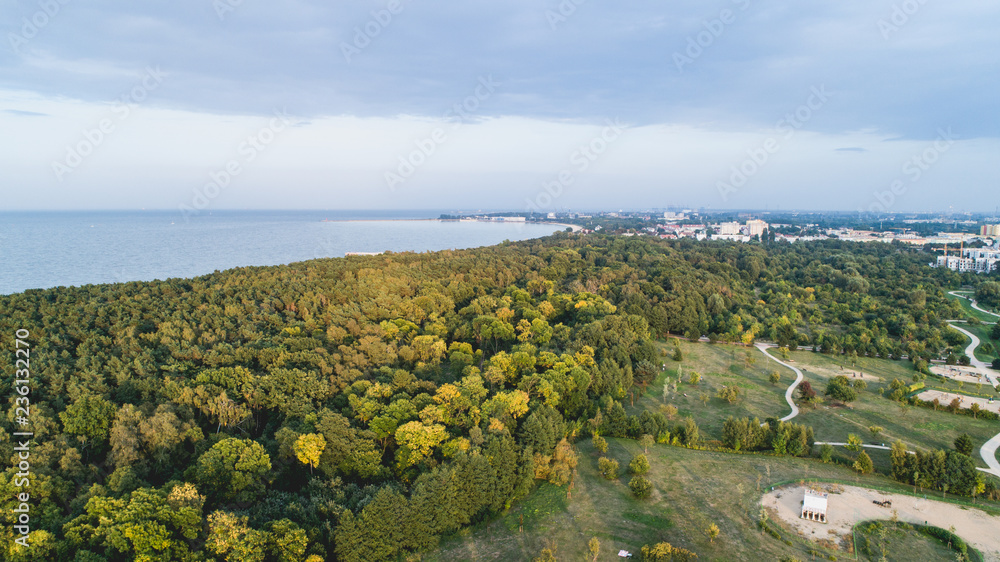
(791,389)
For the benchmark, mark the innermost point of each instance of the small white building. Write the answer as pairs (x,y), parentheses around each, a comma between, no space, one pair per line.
(814,506)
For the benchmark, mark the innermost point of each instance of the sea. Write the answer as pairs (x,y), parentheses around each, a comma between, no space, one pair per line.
(40,250)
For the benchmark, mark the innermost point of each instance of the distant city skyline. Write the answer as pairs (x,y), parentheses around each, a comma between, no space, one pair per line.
(884,106)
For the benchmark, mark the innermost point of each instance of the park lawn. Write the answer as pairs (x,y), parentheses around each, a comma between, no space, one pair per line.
(901,543)
(719,365)
(967,307)
(917,427)
(982,330)
(692,489)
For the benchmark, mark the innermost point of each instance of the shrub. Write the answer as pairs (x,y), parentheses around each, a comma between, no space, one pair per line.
(608,468)
(600,444)
(641,487)
(639,465)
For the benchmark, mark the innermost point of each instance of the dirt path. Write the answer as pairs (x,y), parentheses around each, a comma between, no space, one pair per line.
(791,389)
(854,504)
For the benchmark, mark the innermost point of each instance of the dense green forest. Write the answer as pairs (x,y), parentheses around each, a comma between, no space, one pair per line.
(361,408)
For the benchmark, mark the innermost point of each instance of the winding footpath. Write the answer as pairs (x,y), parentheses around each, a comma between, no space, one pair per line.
(989,449)
(970,351)
(973,304)
(791,389)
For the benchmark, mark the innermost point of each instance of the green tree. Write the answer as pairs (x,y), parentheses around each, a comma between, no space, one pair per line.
(839,388)
(608,468)
(712,532)
(875,430)
(863,463)
(594,546)
(231,537)
(639,464)
(309,449)
(963,444)
(853,442)
(774,377)
(729,393)
(600,444)
(234,470)
(826,453)
(646,441)
(89,417)
(641,487)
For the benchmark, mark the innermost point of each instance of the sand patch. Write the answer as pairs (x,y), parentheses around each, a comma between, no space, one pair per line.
(945,399)
(852,373)
(960,373)
(848,505)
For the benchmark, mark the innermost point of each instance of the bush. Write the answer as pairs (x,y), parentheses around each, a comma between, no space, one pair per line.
(641,487)
(826,453)
(639,465)
(608,468)
(839,388)
(600,444)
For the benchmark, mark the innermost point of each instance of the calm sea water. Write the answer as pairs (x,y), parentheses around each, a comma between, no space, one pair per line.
(41,250)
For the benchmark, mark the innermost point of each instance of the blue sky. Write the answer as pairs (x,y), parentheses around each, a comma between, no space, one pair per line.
(854,105)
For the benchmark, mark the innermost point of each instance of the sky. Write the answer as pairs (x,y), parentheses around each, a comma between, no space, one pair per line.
(857,105)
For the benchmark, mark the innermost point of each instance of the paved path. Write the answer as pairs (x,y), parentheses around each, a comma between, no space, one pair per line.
(880,447)
(972,302)
(989,449)
(983,368)
(791,389)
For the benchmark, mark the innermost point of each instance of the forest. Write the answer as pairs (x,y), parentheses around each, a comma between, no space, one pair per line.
(362,408)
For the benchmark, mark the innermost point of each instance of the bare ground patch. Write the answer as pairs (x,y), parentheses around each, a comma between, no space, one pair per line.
(849,505)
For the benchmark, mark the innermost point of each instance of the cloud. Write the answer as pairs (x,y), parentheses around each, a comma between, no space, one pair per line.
(24,113)
(752,65)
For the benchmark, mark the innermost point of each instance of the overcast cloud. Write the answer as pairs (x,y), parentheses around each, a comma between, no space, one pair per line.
(725,104)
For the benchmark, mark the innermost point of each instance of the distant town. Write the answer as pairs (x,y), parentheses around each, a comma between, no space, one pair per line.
(965,243)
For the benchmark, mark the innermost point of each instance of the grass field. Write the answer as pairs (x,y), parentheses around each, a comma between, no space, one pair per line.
(981,330)
(692,489)
(723,365)
(899,543)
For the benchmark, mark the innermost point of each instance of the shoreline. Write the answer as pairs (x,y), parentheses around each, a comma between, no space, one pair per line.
(574,227)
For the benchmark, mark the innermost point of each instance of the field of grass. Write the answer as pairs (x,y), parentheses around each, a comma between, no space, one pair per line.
(899,543)
(719,365)
(917,427)
(722,365)
(981,330)
(692,490)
